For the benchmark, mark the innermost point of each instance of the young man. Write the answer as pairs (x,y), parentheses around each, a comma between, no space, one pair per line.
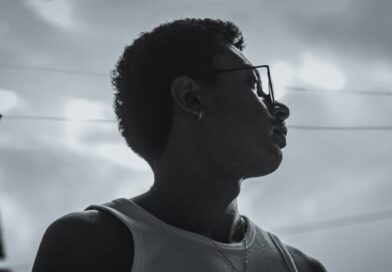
(194,107)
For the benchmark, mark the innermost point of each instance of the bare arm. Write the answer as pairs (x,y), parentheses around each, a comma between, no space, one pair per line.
(85,241)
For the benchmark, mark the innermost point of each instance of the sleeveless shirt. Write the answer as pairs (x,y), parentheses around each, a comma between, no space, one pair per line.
(160,247)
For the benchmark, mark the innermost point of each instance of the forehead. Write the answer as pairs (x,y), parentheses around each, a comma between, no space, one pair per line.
(231,58)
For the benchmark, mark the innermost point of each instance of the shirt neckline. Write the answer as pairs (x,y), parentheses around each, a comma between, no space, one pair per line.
(247,240)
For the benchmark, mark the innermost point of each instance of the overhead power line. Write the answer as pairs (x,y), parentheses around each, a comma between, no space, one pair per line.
(52,69)
(336,223)
(298,127)
(100,74)
(342,128)
(363,92)
(56,119)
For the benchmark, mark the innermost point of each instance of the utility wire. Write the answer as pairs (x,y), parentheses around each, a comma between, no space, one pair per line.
(52,69)
(336,223)
(57,119)
(295,229)
(90,73)
(341,128)
(363,92)
(298,127)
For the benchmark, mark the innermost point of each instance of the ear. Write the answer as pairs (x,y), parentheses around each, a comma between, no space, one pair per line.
(186,94)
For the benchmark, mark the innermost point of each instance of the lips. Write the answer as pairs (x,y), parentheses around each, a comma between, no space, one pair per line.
(279,139)
(280,129)
(279,133)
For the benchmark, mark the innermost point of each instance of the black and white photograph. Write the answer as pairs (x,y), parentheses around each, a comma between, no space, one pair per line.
(210,135)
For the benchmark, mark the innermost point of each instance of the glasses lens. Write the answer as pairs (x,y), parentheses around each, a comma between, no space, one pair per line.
(265,86)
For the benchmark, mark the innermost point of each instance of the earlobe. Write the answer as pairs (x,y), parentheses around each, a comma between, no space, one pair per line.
(185,95)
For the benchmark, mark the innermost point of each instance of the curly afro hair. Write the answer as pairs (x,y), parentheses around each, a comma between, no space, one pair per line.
(144,73)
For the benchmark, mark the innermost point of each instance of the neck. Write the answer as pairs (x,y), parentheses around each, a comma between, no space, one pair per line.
(190,197)
(193,184)
(219,219)
(199,203)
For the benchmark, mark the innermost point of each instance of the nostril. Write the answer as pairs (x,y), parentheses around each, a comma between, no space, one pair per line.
(280,113)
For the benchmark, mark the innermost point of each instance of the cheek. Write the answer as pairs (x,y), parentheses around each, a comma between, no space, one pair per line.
(238,116)
(243,111)
(244,127)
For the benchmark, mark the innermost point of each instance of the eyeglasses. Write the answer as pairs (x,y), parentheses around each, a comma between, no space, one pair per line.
(264,82)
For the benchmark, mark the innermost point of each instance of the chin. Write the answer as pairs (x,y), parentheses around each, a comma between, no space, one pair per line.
(274,166)
(264,166)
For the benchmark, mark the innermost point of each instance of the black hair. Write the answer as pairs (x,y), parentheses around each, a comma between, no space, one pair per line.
(144,73)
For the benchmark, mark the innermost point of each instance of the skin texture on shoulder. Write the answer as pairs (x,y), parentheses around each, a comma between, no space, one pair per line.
(85,241)
(303,262)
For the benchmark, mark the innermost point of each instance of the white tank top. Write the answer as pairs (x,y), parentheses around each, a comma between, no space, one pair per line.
(160,247)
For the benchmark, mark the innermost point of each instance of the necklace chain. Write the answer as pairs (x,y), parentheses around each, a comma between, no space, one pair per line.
(170,205)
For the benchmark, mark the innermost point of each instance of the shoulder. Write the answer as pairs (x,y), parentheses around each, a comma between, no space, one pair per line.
(304,262)
(85,241)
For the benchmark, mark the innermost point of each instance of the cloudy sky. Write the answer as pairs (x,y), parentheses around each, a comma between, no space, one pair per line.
(331,64)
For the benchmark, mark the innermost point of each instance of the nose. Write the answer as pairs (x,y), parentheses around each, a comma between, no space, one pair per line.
(280,111)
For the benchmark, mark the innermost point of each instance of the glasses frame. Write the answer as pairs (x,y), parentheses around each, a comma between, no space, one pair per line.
(270,86)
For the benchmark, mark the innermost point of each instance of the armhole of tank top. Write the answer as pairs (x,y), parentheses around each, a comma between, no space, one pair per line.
(283,252)
(138,252)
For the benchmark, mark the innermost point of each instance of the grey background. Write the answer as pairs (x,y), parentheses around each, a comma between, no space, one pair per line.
(50,168)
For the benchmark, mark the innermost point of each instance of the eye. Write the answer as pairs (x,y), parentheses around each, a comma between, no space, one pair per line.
(252,83)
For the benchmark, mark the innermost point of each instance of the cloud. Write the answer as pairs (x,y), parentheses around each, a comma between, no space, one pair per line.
(283,75)
(323,175)
(8,100)
(120,154)
(40,184)
(83,109)
(319,72)
(360,29)
(98,139)
(55,12)
(80,109)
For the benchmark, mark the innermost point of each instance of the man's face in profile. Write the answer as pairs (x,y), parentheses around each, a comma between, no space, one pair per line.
(240,128)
